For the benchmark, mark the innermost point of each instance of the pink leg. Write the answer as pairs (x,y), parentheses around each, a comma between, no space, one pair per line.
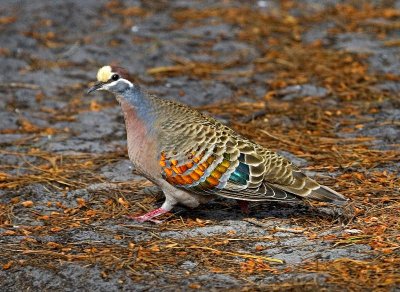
(244,206)
(149,216)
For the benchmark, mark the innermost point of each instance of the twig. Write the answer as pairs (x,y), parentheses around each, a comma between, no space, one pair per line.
(263,225)
(234,254)
(19,85)
(279,139)
(57,254)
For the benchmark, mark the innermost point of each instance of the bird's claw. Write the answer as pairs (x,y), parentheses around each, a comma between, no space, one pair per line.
(150,216)
(140,219)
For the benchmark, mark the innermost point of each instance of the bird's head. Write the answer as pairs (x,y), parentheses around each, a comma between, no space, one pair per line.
(113,79)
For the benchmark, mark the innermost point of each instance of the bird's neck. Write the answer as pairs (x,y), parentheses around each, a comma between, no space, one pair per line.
(135,100)
(134,95)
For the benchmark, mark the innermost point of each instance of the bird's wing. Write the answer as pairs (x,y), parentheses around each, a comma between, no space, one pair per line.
(201,155)
(210,158)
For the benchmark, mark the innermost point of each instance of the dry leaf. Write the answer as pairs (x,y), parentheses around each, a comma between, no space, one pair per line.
(27,204)
(8,265)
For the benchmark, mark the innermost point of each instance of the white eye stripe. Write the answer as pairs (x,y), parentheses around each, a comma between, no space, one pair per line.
(108,85)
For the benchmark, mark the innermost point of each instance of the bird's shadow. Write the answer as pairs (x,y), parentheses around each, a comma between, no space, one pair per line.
(221,209)
(224,209)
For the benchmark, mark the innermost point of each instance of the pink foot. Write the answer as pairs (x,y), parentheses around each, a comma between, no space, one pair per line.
(244,207)
(149,216)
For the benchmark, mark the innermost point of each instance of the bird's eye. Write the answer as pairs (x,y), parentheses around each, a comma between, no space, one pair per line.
(115,77)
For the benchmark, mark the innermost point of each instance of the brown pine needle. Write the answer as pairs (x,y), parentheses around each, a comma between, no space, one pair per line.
(234,254)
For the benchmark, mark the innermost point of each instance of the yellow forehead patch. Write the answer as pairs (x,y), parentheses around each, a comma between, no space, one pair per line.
(104,74)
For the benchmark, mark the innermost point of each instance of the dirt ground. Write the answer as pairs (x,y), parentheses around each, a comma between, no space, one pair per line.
(316,80)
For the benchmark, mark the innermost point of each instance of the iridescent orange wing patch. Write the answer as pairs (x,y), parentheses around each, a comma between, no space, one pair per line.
(178,175)
(190,174)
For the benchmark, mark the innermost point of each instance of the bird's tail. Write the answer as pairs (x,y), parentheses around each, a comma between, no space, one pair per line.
(308,188)
(325,194)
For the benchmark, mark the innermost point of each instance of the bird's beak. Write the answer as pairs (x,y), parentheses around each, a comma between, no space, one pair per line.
(95,87)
